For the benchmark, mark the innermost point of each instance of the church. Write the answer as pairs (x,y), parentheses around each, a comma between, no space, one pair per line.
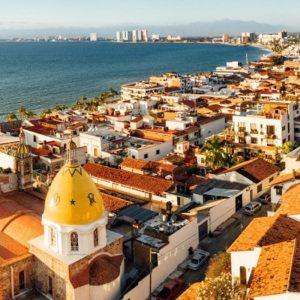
(60,247)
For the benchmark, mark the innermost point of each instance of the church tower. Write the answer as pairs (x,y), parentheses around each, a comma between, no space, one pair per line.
(77,258)
(23,164)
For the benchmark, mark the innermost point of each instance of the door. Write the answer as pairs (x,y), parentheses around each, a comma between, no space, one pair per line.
(238,202)
(22,280)
(203,230)
(251,195)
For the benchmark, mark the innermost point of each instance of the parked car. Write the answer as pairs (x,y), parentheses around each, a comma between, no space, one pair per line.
(265,198)
(198,259)
(251,208)
(171,289)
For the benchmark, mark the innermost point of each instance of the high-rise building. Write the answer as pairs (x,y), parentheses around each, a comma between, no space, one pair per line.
(119,36)
(93,37)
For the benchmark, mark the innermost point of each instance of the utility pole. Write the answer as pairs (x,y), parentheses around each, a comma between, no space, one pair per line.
(150,274)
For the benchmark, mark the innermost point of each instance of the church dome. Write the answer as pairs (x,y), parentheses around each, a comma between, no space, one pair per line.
(73,198)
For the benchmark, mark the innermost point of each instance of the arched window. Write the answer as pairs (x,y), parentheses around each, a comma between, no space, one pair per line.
(96,238)
(52,237)
(74,241)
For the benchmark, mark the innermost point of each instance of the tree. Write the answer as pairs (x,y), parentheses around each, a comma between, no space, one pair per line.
(29,114)
(287,147)
(220,287)
(22,111)
(218,264)
(215,153)
(11,117)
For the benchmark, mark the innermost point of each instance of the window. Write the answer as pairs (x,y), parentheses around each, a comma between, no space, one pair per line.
(270,179)
(270,130)
(289,127)
(278,190)
(253,140)
(133,156)
(74,241)
(52,237)
(22,280)
(283,128)
(157,152)
(146,155)
(34,138)
(96,238)
(50,286)
(259,188)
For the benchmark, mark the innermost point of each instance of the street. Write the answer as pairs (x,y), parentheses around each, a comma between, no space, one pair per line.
(220,243)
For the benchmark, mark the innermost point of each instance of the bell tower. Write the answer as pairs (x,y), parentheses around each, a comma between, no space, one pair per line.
(23,164)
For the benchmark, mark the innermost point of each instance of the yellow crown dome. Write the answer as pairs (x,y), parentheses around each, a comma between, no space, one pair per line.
(73,198)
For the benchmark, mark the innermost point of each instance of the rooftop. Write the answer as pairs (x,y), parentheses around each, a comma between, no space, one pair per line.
(136,181)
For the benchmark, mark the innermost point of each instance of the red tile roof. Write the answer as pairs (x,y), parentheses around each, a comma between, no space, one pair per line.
(140,182)
(256,169)
(114,204)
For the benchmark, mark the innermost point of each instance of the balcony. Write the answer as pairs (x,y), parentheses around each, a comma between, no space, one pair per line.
(270,136)
(254,131)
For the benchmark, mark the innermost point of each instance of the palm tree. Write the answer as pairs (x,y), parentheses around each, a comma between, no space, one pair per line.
(29,114)
(22,111)
(11,117)
(215,154)
(45,113)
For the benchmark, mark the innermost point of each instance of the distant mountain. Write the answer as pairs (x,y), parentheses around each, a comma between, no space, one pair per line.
(217,28)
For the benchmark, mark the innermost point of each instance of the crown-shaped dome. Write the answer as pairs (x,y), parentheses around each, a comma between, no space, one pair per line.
(73,198)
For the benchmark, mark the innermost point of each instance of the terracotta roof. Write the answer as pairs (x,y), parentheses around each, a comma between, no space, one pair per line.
(290,201)
(140,164)
(41,151)
(256,169)
(282,179)
(136,181)
(273,271)
(114,204)
(192,292)
(18,222)
(253,233)
(101,270)
(10,248)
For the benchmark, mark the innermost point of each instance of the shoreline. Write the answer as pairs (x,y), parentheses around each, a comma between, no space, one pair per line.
(71,103)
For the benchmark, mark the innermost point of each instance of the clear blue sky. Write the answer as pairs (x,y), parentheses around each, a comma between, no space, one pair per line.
(90,13)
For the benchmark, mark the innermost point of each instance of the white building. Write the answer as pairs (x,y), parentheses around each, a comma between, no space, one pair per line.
(93,37)
(265,127)
(264,256)
(141,89)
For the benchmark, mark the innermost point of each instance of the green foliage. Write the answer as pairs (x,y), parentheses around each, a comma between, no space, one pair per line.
(220,287)
(215,153)
(278,47)
(218,264)
(287,147)
(11,117)
(5,171)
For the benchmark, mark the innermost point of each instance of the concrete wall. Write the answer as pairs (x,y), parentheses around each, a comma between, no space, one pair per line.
(163,148)
(211,128)
(7,161)
(8,183)
(168,259)
(247,259)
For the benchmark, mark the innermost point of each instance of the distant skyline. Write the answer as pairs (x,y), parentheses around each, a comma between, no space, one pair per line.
(37,14)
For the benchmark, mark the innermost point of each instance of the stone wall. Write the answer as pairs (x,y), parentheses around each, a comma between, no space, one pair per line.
(9,271)
(46,266)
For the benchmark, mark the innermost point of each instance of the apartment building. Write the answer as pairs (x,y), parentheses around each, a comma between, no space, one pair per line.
(140,90)
(265,126)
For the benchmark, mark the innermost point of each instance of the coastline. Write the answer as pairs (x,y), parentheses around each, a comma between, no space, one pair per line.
(64,94)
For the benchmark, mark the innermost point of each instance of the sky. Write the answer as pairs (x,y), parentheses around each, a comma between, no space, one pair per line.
(16,14)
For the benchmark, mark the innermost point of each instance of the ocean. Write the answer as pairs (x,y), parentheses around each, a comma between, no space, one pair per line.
(41,75)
